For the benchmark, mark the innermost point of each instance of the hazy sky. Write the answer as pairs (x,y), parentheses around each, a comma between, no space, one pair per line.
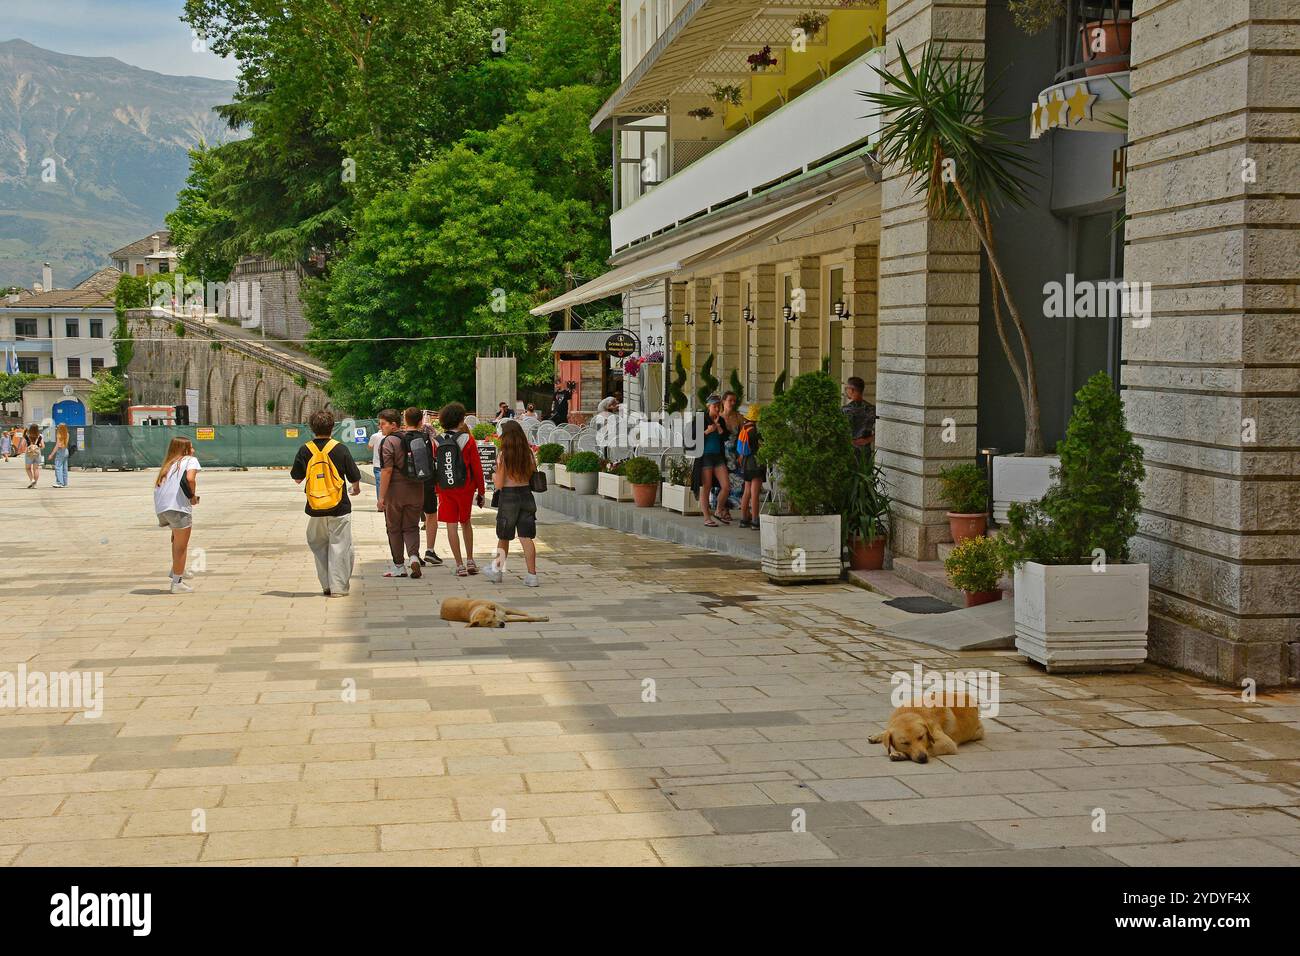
(145,33)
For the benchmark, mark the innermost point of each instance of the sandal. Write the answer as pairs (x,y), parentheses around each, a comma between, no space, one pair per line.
(471,567)
(725,519)
(709,523)
(461,572)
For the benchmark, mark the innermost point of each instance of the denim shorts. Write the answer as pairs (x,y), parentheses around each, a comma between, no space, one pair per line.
(516,512)
(175,519)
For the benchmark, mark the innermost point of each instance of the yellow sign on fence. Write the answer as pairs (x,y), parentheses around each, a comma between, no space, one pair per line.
(205,434)
(291,433)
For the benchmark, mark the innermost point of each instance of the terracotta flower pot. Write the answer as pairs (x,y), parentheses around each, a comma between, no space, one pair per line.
(644,495)
(1116,41)
(974,598)
(866,555)
(964,526)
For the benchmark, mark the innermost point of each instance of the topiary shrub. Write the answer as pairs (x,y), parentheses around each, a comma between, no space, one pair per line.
(1093,505)
(975,565)
(549,453)
(735,385)
(483,430)
(965,488)
(708,381)
(808,440)
(677,387)
(642,471)
(581,462)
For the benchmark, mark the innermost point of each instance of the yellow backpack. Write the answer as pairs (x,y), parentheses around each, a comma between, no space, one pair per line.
(324,484)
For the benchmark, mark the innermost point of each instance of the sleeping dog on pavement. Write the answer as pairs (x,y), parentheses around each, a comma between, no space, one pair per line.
(477,613)
(919,733)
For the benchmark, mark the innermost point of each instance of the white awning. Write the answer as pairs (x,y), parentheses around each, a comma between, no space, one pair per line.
(675,257)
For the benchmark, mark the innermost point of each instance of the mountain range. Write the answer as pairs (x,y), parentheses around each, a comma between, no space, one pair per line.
(92,154)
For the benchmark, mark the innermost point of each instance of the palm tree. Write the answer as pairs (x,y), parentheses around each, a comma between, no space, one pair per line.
(933,125)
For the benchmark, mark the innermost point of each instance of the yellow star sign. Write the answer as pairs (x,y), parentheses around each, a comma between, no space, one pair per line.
(1036,129)
(1054,104)
(1080,104)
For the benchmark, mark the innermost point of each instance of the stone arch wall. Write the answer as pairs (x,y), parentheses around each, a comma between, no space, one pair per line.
(216,411)
(260,415)
(282,416)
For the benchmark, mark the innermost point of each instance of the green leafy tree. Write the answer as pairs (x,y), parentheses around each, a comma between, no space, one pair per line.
(1094,502)
(808,439)
(199,226)
(12,385)
(108,394)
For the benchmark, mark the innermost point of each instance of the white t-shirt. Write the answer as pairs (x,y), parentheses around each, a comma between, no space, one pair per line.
(376,440)
(167,496)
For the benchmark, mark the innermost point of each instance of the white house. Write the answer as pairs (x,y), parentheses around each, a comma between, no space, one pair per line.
(151,255)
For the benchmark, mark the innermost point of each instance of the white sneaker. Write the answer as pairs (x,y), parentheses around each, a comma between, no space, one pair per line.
(530,581)
(492,574)
(180,587)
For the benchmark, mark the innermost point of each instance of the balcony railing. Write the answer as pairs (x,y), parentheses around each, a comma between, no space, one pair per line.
(1096,36)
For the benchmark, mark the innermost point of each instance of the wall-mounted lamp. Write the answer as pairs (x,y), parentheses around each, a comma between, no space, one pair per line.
(714,317)
(748,315)
(687,320)
(840,312)
(788,314)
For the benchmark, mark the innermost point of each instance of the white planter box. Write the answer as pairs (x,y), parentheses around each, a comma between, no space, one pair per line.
(1073,617)
(679,498)
(614,486)
(800,549)
(584,482)
(549,471)
(562,476)
(1017,478)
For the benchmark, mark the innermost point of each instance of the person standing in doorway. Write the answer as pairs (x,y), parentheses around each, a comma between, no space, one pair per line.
(560,403)
(325,465)
(457,496)
(60,456)
(33,444)
(516,507)
(401,499)
(175,493)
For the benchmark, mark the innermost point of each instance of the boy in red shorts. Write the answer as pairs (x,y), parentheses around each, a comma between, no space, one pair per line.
(455,505)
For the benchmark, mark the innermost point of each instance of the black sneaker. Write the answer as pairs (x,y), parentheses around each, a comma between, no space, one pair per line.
(744,523)
(431,558)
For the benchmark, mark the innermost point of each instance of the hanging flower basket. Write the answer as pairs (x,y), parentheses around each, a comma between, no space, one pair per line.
(761,60)
(726,93)
(811,22)
(700,113)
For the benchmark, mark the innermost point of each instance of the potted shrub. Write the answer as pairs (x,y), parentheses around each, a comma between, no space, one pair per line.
(807,444)
(643,474)
(483,430)
(930,111)
(1079,603)
(975,566)
(562,470)
(677,488)
(811,22)
(547,457)
(966,492)
(611,482)
(761,60)
(866,513)
(584,469)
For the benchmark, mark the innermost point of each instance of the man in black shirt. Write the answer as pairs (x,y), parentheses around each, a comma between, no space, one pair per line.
(329,511)
(560,406)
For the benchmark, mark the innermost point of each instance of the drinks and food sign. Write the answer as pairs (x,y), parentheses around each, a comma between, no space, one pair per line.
(621,345)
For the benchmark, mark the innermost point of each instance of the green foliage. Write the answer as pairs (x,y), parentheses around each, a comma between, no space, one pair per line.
(808,440)
(270,405)
(300,381)
(1035,16)
(581,462)
(199,226)
(679,472)
(11,386)
(549,453)
(123,342)
(483,430)
(975,565)
(865,510)
(179,329)
(708,381)
(1094,503)
(965,488)
(676,403)
(613,467)
(642,471)
(736,386)
(778,387)
(131,292)
(108,394)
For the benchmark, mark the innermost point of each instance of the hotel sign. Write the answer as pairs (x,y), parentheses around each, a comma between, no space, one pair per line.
(1053,108)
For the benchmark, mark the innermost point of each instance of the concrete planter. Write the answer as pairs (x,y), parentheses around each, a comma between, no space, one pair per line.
(584,482)
(614,486)
(1074,617)
(800,549)
(549,471)
(679,498)
(1017,478)
(562,476)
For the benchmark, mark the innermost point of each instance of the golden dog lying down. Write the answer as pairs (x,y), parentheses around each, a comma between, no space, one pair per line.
(477,613)
(919,733)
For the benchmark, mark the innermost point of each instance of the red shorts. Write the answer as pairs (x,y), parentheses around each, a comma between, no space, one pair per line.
(455,505)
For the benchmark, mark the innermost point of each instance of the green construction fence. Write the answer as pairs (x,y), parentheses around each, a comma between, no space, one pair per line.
(216,446)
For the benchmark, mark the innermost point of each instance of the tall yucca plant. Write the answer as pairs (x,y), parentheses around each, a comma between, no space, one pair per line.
(932,112)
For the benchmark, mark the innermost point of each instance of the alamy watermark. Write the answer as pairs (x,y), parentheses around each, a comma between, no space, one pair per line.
(240,300)
(922,688)
(55,690)
(1100,299)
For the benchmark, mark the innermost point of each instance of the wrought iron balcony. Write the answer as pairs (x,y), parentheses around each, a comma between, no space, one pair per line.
(1095,38)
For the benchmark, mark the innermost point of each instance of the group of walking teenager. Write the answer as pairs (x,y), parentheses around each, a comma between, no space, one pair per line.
(29,444)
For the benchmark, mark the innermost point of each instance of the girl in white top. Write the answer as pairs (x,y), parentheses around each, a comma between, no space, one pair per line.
(175,493)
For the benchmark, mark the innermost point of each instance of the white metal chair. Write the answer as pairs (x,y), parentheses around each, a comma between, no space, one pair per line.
(544,432)
(585,443)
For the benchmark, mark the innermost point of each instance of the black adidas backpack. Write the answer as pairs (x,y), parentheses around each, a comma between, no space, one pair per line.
(449,463)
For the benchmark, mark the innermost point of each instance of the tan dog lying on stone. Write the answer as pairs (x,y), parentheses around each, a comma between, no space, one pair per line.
(476,613)
(919,733)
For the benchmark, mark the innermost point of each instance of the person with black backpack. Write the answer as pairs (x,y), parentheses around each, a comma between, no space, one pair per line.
(406,462)
(459,474)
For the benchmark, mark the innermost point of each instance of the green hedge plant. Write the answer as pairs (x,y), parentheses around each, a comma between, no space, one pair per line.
(549,453)
(965,489)
(582,462)
(483,430)
(976,565)
(642,471)
(808,440)
(679,472)
(1091,511)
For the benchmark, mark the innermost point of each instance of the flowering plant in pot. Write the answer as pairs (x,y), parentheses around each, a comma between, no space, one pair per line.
(811,22)
(584,469)
(761,60)
(866,513)
(975,566)
(1080,603)
(677,488)
(966,491)
(643,474)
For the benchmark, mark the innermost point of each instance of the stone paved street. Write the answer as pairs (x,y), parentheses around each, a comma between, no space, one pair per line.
(533,744)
